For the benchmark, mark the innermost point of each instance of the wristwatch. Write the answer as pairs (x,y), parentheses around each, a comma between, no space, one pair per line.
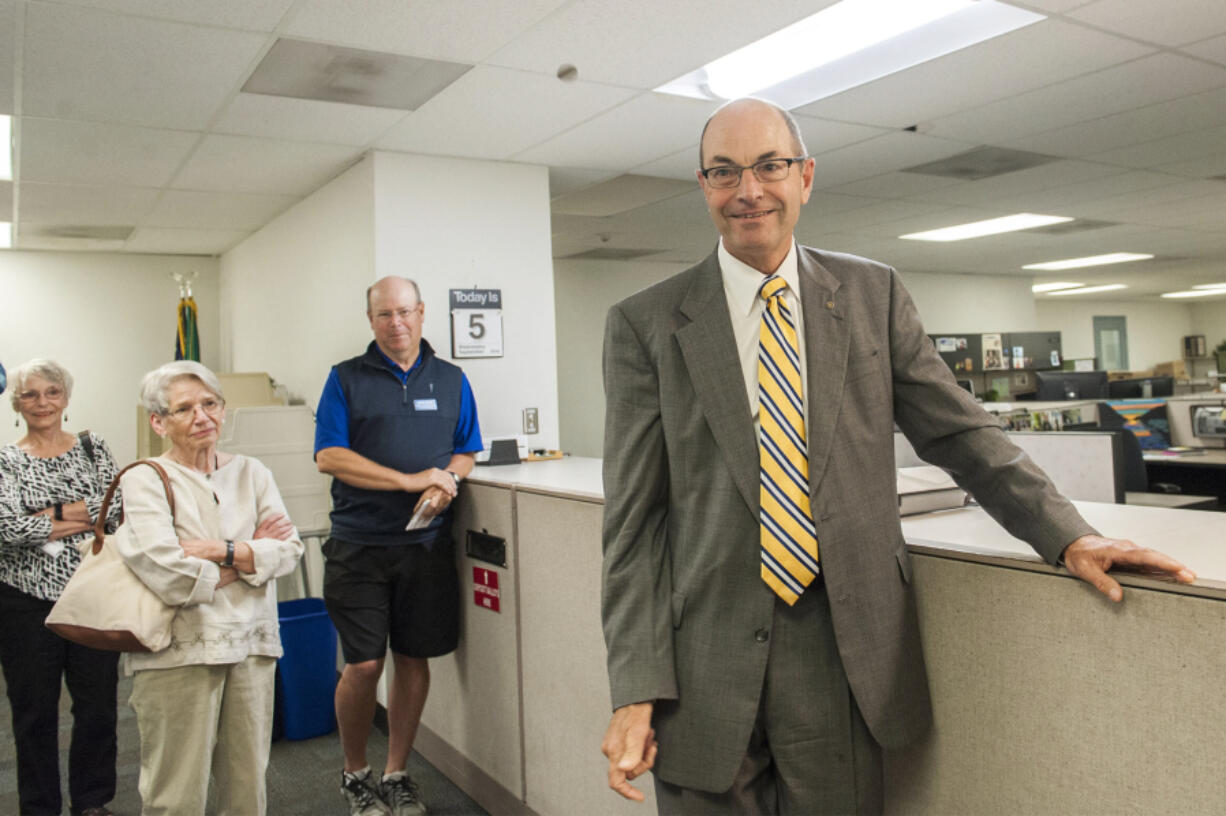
(59,507)
(229,562)
(455,476)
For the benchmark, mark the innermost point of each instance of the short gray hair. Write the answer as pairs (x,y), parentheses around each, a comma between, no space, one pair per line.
(49,370)
(798,140)
(409,281)
(153,385)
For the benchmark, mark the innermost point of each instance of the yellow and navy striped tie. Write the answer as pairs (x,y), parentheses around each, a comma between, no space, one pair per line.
(789,539)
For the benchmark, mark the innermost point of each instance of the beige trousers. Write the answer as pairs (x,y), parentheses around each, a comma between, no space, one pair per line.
(196,718)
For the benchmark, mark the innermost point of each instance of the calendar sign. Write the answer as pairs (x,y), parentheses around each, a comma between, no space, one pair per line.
(476,323)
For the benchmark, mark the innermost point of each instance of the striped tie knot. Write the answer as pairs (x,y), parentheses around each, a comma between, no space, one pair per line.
(772,286)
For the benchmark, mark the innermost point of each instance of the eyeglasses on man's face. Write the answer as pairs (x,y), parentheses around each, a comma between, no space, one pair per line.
(185,413)
(403,313)
(30,397)
(724,176)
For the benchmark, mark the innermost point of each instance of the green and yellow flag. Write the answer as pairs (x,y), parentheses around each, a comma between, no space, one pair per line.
(187,342)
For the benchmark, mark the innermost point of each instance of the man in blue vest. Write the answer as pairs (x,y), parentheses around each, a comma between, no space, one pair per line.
(397,430)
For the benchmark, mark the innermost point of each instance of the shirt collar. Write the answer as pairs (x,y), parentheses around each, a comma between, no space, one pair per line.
(742,281)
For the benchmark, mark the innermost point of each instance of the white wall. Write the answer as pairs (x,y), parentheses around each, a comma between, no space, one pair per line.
(1155,329)
(584,291)
(973,304)
(463,224)
(108,318)
(292,293)
(1209,319)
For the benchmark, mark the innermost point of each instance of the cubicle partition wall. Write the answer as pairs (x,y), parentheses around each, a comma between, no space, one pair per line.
(1048,698)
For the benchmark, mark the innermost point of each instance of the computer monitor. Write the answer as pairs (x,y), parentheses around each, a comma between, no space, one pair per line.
(967,385)
(1070,385)
(1135,389)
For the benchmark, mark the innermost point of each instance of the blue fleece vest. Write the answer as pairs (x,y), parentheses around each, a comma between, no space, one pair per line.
(408,427)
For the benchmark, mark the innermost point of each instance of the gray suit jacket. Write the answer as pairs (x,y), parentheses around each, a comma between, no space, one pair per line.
(682,597)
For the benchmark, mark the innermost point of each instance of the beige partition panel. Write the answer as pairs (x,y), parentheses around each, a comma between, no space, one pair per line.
(471,724)
(566,685)
(1050,700)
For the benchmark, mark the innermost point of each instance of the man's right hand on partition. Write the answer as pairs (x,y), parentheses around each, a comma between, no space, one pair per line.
(630,744)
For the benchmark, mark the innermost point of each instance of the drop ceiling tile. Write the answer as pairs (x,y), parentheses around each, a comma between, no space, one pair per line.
(1159,21)
(1188,146)
(305,120)
(220,211)
(252,15)
(1146,81)
(999,190)
(56,150)
(1212,49)
(1076,195)
(647,127)
(458,30)
(852,221)
(619,194)
(1051,6)
(823,135)
(1205,167)
(85,64)
(563,180)
(8,23)
(499,112)
(77,204)
(644,45)
(883,154)
(1036,56)
(1144,124)
(240,164)
(895,185)
(1175,189)
(183,241)
(680,166)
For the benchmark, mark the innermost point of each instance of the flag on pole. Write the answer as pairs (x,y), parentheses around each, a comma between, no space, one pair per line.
(187,341)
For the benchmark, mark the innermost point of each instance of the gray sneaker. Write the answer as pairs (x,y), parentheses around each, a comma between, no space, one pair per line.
(402,795)
(362,794)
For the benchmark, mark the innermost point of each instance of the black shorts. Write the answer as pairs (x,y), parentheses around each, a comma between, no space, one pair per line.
(406,595)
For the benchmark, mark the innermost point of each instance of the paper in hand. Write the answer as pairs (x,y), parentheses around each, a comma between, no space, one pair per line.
(422,517)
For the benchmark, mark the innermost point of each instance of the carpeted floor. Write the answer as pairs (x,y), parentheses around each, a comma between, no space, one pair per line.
(303,776)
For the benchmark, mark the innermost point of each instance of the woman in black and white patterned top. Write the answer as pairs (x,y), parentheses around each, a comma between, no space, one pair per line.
(51,488)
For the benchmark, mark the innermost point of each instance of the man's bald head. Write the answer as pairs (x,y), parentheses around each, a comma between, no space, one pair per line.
(748,103)
(390,284)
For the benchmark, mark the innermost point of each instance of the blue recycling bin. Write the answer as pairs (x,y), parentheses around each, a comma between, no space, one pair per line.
(306,673)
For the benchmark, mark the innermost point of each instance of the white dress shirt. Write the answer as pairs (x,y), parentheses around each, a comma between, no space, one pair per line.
(745,307)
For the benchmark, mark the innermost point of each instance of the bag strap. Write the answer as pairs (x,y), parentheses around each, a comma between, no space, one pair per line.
(88,443)
(100,524)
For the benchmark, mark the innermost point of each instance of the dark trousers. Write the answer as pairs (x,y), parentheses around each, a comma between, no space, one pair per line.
(34,661)
(810,752)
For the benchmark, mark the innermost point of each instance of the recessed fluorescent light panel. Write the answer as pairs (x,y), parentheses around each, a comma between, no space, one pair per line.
(993,226)
(848,44)
(1092,260)
(1055,286)
(1199,292)
(6,155)
(1210,286)
(6,235)
(1085,290)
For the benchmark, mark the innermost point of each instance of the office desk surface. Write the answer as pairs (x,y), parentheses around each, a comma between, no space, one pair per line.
(1195,537)
(1205,458)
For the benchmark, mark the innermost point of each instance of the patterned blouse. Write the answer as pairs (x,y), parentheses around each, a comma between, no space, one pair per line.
(28,561)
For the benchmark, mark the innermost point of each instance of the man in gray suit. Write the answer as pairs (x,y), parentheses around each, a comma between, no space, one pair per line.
(744,698)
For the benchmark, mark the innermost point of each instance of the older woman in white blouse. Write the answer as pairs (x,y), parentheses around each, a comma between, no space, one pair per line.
(205,703)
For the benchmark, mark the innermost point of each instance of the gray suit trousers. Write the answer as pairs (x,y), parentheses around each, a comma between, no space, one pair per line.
(810,752)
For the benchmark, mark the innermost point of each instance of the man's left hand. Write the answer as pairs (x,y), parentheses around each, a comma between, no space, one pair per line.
(1090,556)
(439,501)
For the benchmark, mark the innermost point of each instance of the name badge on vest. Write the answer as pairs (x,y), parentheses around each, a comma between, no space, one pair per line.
(425,405)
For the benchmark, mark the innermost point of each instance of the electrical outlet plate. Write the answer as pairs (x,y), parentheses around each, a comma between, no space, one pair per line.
(530,421)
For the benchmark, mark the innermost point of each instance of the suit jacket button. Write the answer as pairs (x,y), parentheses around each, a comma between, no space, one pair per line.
(762,635)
